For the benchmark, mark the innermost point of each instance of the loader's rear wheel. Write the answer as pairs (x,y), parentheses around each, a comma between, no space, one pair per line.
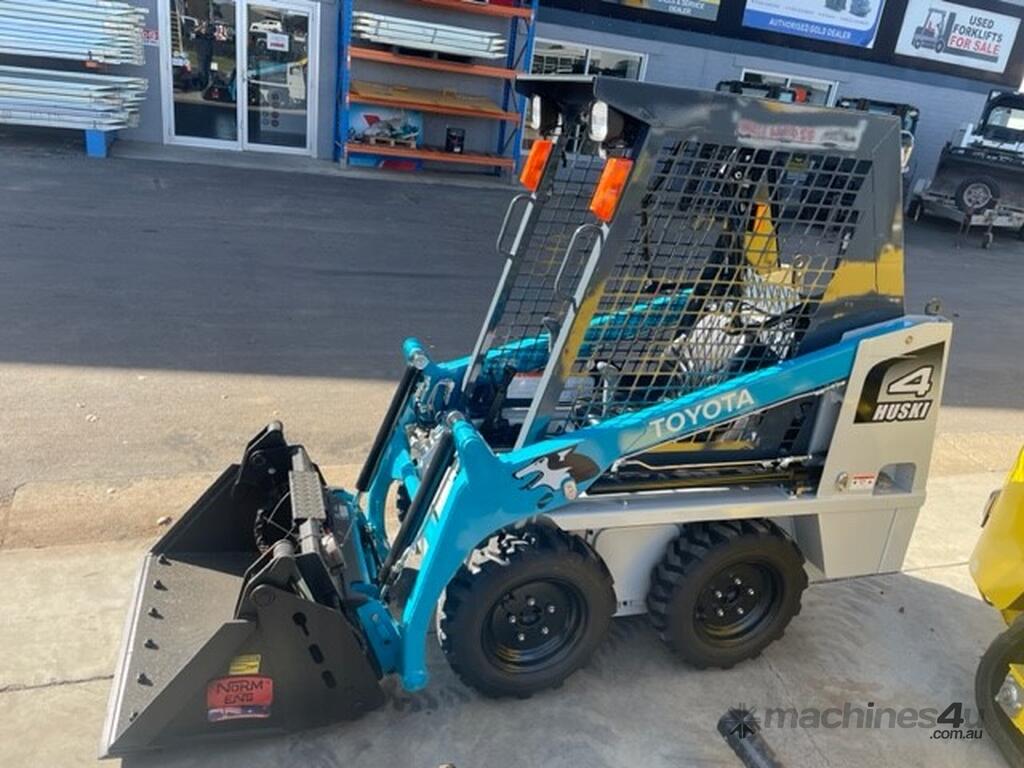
(529,615)
(1006,648)
(724,591)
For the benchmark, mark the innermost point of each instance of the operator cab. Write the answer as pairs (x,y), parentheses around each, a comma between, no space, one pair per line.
(728,259)
(1002,120)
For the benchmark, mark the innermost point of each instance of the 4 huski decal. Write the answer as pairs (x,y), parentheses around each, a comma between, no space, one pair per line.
(900,388)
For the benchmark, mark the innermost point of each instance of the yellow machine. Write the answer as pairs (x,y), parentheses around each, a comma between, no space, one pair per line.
(997,565)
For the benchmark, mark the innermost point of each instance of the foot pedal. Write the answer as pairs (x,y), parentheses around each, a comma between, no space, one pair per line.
(306,489)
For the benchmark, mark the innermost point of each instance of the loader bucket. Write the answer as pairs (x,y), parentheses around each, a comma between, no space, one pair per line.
(223,639)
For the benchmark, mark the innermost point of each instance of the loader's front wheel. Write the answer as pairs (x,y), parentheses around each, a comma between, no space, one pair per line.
(724,591)
(528,615)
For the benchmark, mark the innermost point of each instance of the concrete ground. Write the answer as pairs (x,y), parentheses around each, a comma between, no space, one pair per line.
(154,315)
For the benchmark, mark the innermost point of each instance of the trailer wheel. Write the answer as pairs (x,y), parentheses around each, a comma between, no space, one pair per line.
(529,616)
(723,591)
(1007,647)
(976,194)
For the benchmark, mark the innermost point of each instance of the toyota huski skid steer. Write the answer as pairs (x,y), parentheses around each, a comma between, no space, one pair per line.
(696,384)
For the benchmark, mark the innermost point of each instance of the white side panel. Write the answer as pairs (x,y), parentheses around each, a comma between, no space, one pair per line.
(863,448)
(630,554)
(860,520)
(881,448)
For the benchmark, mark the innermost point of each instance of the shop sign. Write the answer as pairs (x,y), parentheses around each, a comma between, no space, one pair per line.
(695,9)
(277,42)
(957,34)
(847,22)
(150,37)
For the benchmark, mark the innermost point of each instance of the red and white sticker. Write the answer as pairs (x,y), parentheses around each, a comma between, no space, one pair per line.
(863,482)
(240,697)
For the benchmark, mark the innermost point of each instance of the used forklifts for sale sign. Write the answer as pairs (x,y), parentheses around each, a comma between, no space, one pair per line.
(958,35)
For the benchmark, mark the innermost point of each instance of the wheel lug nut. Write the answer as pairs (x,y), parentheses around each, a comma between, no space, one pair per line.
(531,601)
(718,594)
(719,612)
(551,608)
(544,630)
(520,637)
(738,581)
(740,611)
(511,618)
(750,591)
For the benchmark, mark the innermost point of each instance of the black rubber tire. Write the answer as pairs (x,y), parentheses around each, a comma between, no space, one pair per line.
(696,560)
(513,560)
(962,188)
(1007,647)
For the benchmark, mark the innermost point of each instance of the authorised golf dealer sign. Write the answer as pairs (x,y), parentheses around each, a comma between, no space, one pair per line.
(957,34)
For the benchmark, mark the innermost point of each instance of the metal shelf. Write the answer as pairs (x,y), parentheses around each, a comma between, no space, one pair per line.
(436,65)
(424,100)
(505,108)
(432,155)
(484,9)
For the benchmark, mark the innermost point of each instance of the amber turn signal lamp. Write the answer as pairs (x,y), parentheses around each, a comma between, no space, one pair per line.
(533,168)
(610,187)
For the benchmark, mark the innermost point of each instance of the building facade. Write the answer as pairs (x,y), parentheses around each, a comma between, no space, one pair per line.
(941,57)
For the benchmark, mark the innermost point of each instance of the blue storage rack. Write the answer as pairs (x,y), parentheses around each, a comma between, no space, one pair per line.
(520,37)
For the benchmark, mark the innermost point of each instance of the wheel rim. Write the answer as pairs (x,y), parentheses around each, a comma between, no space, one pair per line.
(737,602)
(977,196)
(535,625)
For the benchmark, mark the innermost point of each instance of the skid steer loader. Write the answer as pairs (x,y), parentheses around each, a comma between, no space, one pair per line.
(695,386)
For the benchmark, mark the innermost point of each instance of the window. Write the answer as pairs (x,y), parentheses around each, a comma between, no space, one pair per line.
(554,58)
(807,89)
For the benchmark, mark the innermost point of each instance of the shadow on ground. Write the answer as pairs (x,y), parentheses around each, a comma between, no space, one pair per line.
(142,264)
(896,640)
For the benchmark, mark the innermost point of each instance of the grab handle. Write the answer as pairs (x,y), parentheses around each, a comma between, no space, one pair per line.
(520,198)
(568,251)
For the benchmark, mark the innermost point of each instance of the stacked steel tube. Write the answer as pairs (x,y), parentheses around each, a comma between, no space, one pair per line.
(69,99)
(99,32)
(79,30)
(439,38)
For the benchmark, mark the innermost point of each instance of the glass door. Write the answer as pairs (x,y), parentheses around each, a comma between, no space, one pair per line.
(203,65)
(242,74)
(279,77)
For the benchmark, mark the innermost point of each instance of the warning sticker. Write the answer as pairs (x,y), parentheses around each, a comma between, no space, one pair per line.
(862,482)
(246,664)
(239,698)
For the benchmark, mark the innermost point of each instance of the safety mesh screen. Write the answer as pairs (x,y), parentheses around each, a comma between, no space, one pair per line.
(728,256)
(521,334)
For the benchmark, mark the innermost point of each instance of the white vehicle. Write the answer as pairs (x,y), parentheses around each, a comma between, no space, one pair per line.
(266,25)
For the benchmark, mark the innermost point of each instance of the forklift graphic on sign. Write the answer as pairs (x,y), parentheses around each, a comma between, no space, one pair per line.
(935,31)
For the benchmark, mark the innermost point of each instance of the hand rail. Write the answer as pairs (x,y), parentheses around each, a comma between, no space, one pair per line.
(568,250)
(521,197)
